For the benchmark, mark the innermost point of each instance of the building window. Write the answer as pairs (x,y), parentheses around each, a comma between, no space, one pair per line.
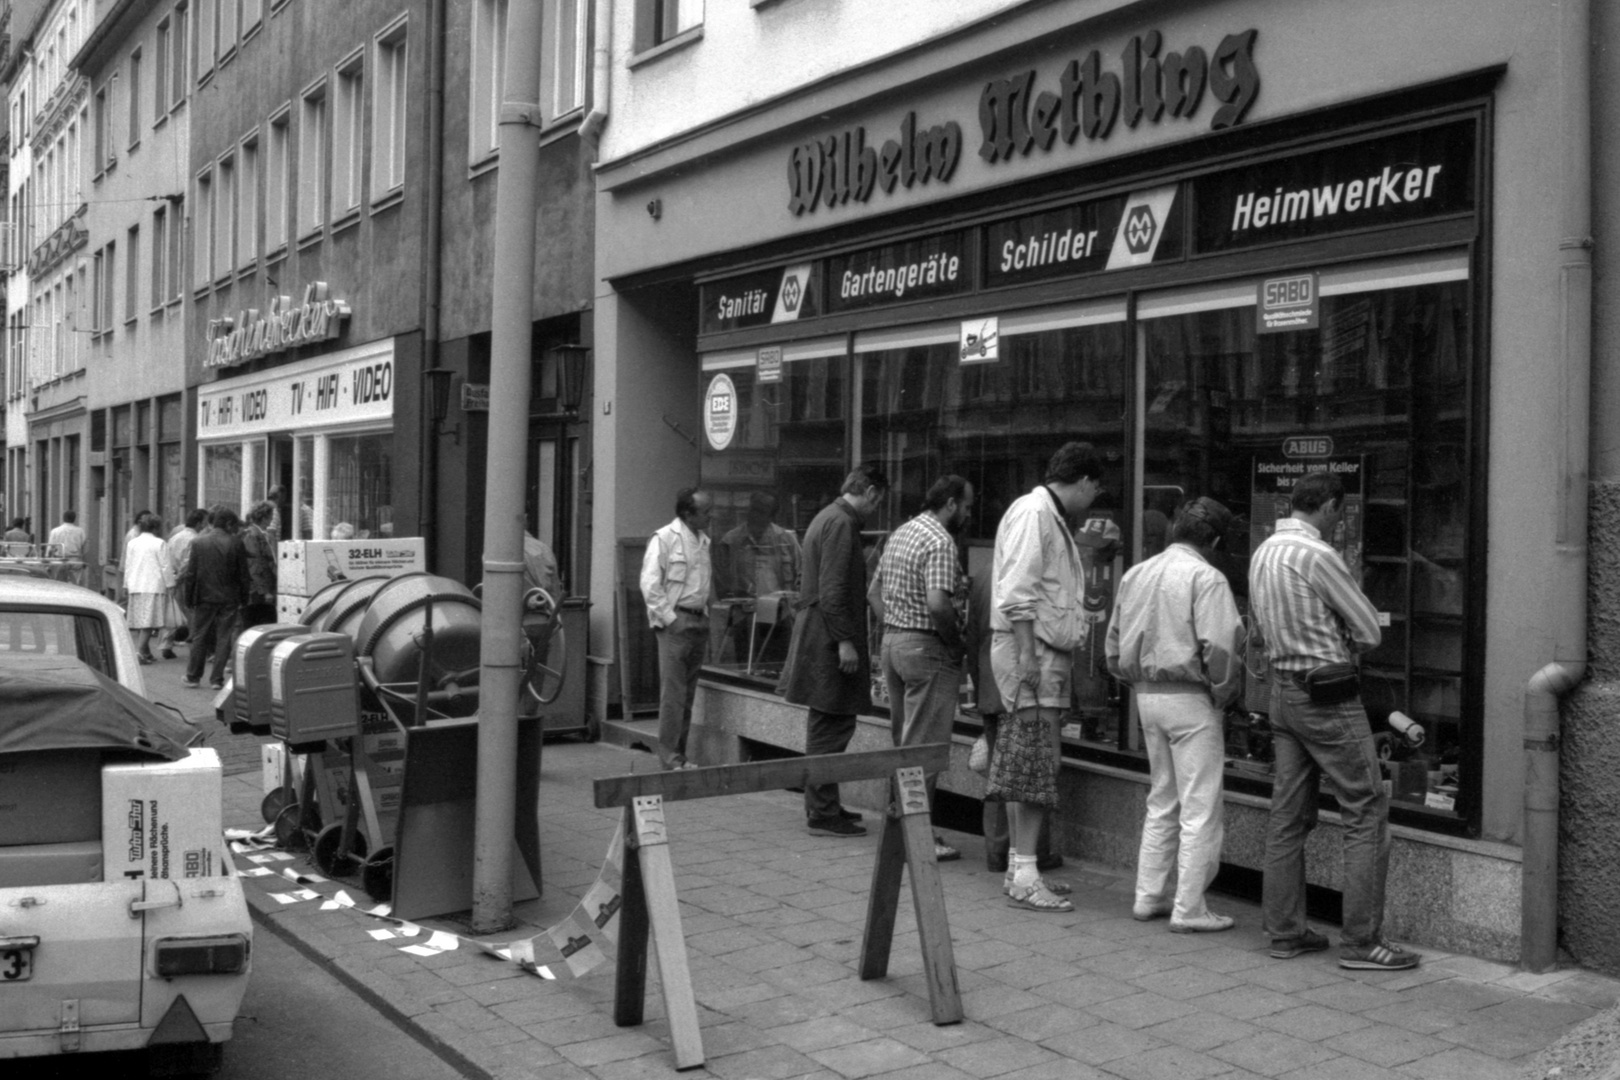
(562,75)
(222,475)
(225,43)
(388,113)
(206,39)
(160,71)
(658,21)
(359,483)
(177,55)
(348,137)
(132,271)
(311,160)
(252,15)
(102,133)
(101,297)
(225,212)
(160,256)
(134,94)
(202,230)
(247,203)
(488,73)
(277,182)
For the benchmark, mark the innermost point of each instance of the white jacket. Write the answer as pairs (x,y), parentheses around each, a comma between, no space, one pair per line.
(1037,573)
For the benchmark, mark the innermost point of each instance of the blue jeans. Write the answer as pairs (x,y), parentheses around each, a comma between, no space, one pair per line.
(681,646)
(924,687)
(1310,741)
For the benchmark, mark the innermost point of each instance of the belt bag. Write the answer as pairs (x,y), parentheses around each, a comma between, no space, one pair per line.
(1332,684)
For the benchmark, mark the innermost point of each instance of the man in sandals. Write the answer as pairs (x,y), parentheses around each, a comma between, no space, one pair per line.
(1309,612)
(1176,638)
(1037,622)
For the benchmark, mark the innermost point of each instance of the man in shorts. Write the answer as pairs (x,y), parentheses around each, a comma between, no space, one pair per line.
(1037,622)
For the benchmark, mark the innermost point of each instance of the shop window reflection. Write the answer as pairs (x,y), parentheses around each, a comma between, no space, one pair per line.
(1377,392)
(222,475)
(359,486)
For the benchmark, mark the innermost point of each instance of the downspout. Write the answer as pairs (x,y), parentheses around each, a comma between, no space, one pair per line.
(432,280)
(590,129)
(1538,945)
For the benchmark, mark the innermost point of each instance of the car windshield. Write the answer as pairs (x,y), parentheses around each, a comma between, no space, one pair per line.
(82,635)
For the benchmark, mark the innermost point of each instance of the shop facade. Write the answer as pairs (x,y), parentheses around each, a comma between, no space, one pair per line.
(320,428)
(1225,249)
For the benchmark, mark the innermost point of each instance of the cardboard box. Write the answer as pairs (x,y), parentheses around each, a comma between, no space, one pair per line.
(304,567)
(50,796)
(50,864)
(290,608)
(161,819)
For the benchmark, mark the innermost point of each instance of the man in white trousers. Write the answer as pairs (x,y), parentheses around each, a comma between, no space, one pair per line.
(1177,639)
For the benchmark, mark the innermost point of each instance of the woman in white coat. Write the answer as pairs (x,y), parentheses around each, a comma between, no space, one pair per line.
(148,577)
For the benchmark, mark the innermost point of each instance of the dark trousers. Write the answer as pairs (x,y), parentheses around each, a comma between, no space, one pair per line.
(213,631)
(258,614)
(825,733)
(997,830)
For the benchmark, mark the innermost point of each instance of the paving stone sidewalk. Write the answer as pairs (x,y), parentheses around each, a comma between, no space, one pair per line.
(773,921)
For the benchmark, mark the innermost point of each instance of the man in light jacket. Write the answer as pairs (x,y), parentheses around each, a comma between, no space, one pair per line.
(1176,637)
(677,582)
(1037,623)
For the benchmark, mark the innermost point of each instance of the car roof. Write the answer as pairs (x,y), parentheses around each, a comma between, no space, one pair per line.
(18,591)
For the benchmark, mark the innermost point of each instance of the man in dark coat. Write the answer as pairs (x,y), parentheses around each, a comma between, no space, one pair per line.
(215,585)
(829,665)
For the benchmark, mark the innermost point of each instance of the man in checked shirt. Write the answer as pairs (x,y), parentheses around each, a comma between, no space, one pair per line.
(1311,612)
(923,595)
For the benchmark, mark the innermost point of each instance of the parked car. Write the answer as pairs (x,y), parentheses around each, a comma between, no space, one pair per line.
(122,922)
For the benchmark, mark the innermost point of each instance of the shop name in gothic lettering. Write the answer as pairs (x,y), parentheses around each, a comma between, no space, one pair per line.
(249,335)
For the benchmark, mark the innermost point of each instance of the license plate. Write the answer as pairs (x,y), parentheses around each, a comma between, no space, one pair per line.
(16,965)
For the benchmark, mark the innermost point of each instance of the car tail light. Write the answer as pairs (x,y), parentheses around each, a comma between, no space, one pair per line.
(224,955)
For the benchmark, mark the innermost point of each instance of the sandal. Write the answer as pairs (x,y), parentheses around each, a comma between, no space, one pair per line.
(1036,897)
(1053,885)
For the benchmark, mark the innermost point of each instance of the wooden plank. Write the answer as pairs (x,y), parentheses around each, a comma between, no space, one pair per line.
(716,780)
(658,875)
(630,985)
(933,927)
(883,903)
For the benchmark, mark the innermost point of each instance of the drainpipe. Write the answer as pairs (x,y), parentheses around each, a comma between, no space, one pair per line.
(432,279)
(1538,943)
(590,129)
(511,324)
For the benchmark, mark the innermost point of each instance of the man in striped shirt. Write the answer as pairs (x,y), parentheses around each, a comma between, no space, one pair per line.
(923,591)
(1311,612)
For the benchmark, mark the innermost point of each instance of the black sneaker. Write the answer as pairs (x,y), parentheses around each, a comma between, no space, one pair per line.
(849,815)
(1284,948)
(1379,956)
(836,827)
(168,654)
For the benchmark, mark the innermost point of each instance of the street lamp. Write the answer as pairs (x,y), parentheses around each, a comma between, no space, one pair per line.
(439,381)
(571,365)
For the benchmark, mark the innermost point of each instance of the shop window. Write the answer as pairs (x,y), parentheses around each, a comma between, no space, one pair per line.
(1378,393)
(222,475)
(304,486)
(359,483)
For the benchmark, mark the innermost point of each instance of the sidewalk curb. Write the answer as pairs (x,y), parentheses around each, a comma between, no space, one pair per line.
(262,916)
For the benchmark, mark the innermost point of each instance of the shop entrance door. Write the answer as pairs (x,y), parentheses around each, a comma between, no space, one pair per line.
(278,473)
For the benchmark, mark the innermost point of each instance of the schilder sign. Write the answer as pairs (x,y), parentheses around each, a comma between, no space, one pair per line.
(1112,233)
(1016,116)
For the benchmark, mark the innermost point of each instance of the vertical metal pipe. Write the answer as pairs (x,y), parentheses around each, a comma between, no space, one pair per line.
(432,279)
(1538,934)
(511,323)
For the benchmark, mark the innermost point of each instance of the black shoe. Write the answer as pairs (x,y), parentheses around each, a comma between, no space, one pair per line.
(189,681)
(836,827)
(168,654)
(217,685)
(144,658)
(996,866)
(1288,948)
(849,815)
(1048,862)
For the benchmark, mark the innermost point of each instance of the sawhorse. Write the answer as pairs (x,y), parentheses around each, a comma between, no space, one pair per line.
(652,908)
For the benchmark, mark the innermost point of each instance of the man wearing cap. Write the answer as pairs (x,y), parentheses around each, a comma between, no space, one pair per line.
(1177,639)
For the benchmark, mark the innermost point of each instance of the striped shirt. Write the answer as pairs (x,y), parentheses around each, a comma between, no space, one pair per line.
(1309,609)
(920,556)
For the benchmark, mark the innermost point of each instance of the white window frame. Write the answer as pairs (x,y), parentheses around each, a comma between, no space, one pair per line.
(179,52)
(564,59)
(202,230)
(225,210)
(134,96)
(247,200)
(278,181)
(312,165)
(132,273)
(488,71)
(162,45)
(348,136)
(160,256)
(390,97)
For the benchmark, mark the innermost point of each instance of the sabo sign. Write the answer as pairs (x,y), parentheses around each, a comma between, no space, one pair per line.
(1015,117)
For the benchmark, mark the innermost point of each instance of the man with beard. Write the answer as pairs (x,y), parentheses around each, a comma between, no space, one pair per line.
(828,667)
(924,595)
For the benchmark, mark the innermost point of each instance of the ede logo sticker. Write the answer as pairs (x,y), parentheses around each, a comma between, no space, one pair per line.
(720,411)
(1139,230)
(790,294)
